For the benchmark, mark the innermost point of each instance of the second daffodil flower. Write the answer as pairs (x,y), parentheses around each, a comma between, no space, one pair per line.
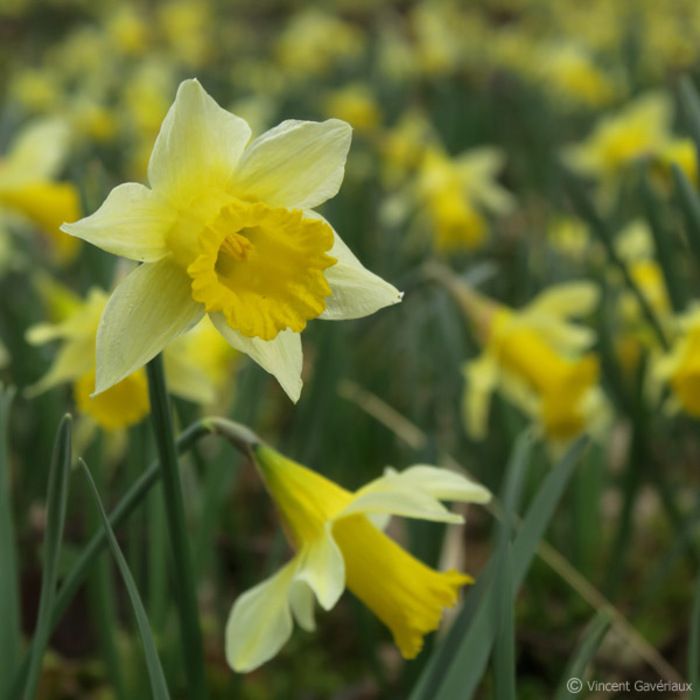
(227,228)
(338,539)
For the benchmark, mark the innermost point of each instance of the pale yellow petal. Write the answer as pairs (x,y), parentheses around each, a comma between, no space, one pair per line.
(444,484)
(198,147)
(151,307)
(281,357)
(260,622)
(73,360)
(323,569)
(355,291)
(301,600)
(390,494)
(298,164)
(37,153)
(132,222)
(566,300)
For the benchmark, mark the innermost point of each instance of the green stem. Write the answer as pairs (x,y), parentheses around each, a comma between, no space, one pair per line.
(101,594)
(185,591)
(126,506)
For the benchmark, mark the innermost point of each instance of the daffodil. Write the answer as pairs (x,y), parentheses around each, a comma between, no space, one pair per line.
(338,541)
(456,193)
(640,130)
(536,357)
(28,186)
(680,367)
(193,363)
(227,228)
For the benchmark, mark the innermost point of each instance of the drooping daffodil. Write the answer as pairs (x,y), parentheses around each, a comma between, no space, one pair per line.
(539,359)
(536,356)
(338,541)
(227,228)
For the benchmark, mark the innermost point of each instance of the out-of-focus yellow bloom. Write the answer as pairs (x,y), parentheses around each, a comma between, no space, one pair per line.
(128,30)
(403,146)
(36,90)
(439,45)
(635,245)
(92,119)
(193,364)
(356,105)
(639,130)
(456,191)
(228,228)
(536,357)
(314,42)
(570,237)
(682,153)
(338,541)
(28,187)
(570,74)
(187,27)
(680,367)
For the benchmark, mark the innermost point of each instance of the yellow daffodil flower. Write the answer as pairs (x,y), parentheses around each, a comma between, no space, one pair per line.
(455,192)
(338,539)
(680,367)
(536,357)
(640,130)
(193,363)
(28,187)
(356,105)
(570,74)
(227,228)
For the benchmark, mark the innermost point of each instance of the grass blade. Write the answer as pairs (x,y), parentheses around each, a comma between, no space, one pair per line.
(665,247)
(10,632)
(690,102)
(461,660)
(126,506)
(503,603)
(689,203)
(159,687)
(582,656)
(57,497)
(694,643)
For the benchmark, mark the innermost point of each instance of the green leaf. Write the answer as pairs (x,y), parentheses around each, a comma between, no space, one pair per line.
(694,643)
(159,687)
(503,603)
(689,202)
(459,663)
(665,249)
(10,632)
(57,497)
(600,230)
(121,512)
(582,656)
(690,102)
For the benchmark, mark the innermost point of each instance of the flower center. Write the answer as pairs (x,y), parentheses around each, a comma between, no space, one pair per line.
(262,268)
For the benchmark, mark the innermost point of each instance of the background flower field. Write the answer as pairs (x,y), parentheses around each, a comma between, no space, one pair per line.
(526,172)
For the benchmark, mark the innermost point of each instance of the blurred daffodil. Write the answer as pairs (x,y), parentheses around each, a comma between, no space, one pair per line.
(641,129)
(193,362)
(228,228)
(536,356)
(356,105)
(28,184)
(338,541)
(680,366)
(456,193)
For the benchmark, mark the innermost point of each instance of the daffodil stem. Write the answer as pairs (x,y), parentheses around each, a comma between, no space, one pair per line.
(185,591)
